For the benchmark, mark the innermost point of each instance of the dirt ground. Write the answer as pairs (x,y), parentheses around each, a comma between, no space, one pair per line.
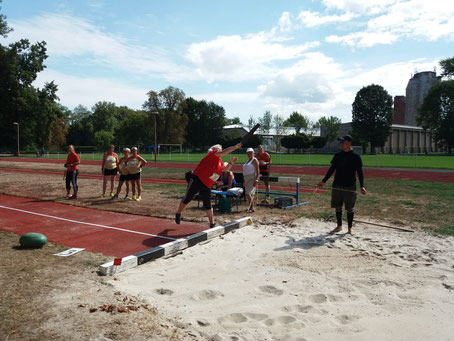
(45,297)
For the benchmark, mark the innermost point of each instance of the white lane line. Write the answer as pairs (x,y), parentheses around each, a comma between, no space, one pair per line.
(84,223)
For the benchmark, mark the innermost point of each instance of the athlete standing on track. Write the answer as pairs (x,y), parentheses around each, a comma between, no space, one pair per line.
(346,164)
(109,169)
(71,172)
(204,176)
(124,174)
(134,163)
(264,163)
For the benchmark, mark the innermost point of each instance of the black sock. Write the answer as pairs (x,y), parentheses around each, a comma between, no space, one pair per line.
(350,219)
(339,217)
(177,218)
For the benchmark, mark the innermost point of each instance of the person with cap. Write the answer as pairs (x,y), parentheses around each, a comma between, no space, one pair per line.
(204,177)
(346,164)
(264,162)
(251,176)
(124,174)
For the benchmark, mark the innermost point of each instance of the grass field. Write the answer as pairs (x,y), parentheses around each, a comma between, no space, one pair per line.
(379,160)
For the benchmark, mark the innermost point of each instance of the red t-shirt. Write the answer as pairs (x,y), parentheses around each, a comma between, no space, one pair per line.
(72,158)
(209,169)
(264,157)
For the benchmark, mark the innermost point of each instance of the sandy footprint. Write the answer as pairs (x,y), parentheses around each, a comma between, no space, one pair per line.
(346,319)
(206,295)
(318,298)
(269,289)
(233,318)
(257,317)
(162,291)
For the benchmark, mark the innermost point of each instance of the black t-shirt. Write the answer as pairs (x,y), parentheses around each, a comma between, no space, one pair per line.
(346,165)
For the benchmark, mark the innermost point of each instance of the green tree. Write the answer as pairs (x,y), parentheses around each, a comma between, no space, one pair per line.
(265,122)
(329,127)
(103,139)
(104,116)
(447,67)
(206,117)
(297,121)
(4,29)
(278,124)
(34,109)
(171,120)
(251,121)
(437,113)
(235,120)
(372,115)
(318,141)
(135,129)
(296,141)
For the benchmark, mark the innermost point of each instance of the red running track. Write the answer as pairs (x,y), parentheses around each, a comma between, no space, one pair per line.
(155,180)
(385,173)
(108,233)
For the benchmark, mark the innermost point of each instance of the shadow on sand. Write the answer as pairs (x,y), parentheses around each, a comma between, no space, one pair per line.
(311,242)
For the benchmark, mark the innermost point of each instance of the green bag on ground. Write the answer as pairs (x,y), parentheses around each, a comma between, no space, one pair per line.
(224,204)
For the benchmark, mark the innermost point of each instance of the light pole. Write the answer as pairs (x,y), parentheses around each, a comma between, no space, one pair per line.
(155,113)
(18,152)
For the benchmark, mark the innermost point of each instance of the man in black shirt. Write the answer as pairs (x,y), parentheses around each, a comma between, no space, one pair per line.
(346,164)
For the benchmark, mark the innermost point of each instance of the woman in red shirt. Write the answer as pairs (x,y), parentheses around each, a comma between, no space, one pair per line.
(71,172)
(204,176)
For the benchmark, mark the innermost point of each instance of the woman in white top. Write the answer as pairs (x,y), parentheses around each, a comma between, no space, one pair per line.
(251,176)
(124,174)
(109,169)
(134,164)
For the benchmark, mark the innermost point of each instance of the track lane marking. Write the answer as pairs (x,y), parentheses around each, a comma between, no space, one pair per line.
(85,223)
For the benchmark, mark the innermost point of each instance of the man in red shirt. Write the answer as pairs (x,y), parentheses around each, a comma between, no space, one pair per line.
(264,165)
(71,172)
(204,176)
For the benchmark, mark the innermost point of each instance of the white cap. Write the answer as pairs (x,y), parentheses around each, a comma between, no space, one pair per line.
(249,150)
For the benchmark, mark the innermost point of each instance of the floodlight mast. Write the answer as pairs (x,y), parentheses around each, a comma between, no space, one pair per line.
(18,150)
(155,113)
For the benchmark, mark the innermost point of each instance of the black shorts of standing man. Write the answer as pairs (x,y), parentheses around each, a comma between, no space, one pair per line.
(346,164)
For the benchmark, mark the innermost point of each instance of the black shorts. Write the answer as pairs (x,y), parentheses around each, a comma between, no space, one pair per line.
(264,173)
(108,172)
(343,195)
(136,176)
(124,177)
(196,186)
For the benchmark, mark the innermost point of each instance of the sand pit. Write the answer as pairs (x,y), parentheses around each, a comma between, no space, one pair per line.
(297,283)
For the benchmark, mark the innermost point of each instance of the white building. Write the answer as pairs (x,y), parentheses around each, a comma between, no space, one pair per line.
(269,137)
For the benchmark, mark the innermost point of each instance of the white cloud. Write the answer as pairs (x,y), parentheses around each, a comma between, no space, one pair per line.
(75,90)
(68,36)
(317,85)
(363,39)
(237,58)
(311,19)
(359,6)
(228,97)
(416,19)
(285,22)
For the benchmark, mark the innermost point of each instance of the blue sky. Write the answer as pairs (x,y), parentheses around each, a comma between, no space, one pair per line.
(248,56)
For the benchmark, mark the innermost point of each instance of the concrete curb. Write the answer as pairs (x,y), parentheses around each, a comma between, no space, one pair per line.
(129,262)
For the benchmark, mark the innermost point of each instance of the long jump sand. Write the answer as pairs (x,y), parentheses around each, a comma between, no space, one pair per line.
(296,283)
